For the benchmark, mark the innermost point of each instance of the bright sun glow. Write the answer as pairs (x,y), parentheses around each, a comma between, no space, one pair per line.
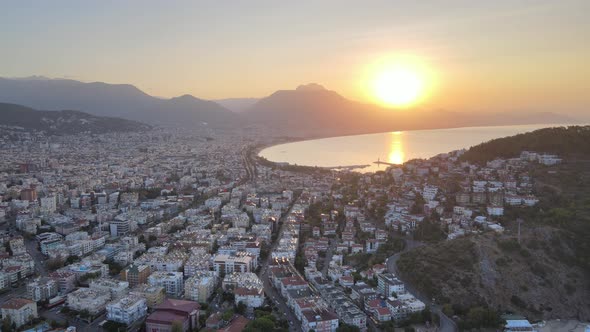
(398,87)
(398,82)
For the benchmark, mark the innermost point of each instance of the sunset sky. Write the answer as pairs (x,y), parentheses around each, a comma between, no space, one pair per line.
(479,55)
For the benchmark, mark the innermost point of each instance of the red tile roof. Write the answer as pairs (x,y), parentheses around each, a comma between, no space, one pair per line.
(15,303)
(165,317)
(237,324)
(179,305)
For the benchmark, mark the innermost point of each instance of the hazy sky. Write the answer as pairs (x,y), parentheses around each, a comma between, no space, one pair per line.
(483,55)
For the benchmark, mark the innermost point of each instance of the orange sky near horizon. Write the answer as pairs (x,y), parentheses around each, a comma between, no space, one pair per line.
(500,56)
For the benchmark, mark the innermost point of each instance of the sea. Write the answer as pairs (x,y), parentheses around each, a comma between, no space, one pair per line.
(361,152)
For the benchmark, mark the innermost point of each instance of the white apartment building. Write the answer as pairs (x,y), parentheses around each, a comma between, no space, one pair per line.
(161,262)
(49,204)
(42,289)
(172,282)
(115,288)
(88,299)
(200,286)
(127,310)
(228,263)
(20,311)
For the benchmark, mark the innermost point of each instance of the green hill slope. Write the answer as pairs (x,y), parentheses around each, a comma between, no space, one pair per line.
(63,122)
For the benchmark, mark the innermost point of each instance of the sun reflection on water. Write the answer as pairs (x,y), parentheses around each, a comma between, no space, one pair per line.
(396,151)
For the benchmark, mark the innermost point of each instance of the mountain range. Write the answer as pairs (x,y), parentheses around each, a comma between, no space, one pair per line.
(237,105)
(63,122)
(308,110)
(115,100)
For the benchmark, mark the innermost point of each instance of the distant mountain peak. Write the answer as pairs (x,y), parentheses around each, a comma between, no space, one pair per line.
(311,87)
(32,78)
(185,97)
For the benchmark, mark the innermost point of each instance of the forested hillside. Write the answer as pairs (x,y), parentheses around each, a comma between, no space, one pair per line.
(565,141)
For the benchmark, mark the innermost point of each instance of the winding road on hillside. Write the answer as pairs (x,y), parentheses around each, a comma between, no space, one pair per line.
(446,324)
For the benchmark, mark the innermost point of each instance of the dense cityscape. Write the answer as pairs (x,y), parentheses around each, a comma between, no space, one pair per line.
(295,166)
(171,230)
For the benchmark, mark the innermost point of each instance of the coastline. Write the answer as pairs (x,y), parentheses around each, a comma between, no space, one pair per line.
(258,150)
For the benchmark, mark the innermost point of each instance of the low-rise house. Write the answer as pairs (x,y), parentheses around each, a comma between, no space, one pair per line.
(518,325)
(252,297)
(319,320)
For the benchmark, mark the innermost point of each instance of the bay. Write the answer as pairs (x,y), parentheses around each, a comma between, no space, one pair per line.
(390,147)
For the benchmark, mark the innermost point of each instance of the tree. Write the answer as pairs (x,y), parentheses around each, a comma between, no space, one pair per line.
(112,326)
(227,315)
(54,263)
(72,259)
(227,296)
(177,326)
(241,308)
(347,328)
(262,324)
(418,206)
(429,231)
(7,324)
(447,309)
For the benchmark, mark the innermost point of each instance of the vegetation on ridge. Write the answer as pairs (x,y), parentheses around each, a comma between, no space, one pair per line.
(564,141)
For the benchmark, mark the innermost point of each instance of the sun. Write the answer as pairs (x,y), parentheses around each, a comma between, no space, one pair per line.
(398,87)
(398,82)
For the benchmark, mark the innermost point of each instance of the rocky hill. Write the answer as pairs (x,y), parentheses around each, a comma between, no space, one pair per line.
(63,122)
(547,274)
(537,278)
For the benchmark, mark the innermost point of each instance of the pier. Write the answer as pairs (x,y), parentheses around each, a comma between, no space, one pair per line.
(379,162)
